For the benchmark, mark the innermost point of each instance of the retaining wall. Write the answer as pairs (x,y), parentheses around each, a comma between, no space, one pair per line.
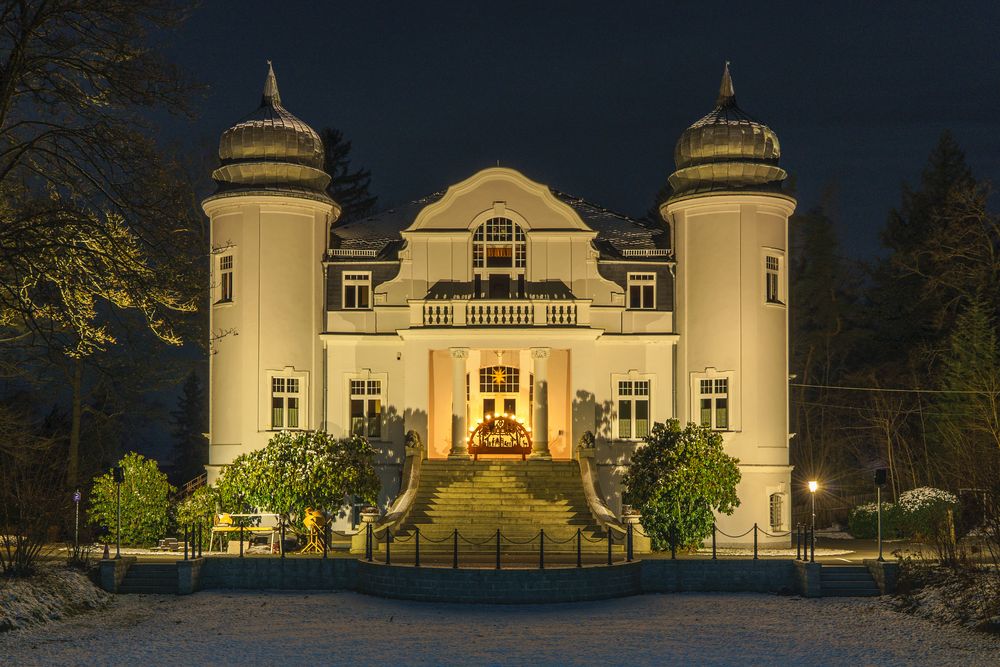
(752,576)
(113,570)
(278,573)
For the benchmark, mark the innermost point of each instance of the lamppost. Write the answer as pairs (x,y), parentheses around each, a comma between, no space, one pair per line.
(119,477)
(813,486)
(76,525)
(880,479)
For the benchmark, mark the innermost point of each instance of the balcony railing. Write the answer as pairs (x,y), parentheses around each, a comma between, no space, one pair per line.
(646,252)
(499,313)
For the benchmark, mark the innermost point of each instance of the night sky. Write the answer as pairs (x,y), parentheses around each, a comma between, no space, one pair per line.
(591,97)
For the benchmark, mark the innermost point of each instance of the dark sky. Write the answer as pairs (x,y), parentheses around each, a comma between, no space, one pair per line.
(590,97)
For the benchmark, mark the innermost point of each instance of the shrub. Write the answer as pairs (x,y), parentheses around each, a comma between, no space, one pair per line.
(145,501)
(299,470)
(925,511)
(677,479)
(198,509)
(862,522)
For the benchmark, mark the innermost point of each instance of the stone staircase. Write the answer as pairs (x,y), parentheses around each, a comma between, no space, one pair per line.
(519,498)
(150,578)
(847,581)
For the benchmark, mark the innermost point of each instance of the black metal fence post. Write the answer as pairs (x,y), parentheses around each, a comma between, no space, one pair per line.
(416,551)
(326,538)
(609,545)
(628,544)
(281,546)
(812,545)
(368,542)
(673,544)
(185,542)
(541,548)
(454,558)
(579,551)
(498,548)
(388,548)
(755,540)
(798,541)
(714,530)
(201,539)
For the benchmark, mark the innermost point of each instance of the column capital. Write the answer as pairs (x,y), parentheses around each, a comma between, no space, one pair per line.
(459,352)
(541,352)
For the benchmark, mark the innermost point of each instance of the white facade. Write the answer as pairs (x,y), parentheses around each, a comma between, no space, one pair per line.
(502,296)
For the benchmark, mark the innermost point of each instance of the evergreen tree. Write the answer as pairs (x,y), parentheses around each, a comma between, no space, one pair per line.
(348,188)
(189,424)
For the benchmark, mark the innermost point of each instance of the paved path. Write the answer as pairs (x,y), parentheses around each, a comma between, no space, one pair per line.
(245,628)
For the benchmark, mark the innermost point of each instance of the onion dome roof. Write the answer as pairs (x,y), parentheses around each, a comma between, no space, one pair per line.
(726,150)
(271,149)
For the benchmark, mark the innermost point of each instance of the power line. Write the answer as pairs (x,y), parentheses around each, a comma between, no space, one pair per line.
(889,390)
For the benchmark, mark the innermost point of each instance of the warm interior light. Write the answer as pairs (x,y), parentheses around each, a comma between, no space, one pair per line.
(813,486)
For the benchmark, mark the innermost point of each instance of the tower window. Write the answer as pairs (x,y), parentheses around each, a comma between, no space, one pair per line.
(632,398)
(642,291)
(357,290)
(773,287)
(366,408)
(713,398)
(224,270)
(285,401)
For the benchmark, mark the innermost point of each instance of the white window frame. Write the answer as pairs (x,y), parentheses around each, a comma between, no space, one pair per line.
(698,392)
(353,281)
(375,389)
(772,264)
(273,392)
(641,281)
(221,274)
(780,496)
(619,395)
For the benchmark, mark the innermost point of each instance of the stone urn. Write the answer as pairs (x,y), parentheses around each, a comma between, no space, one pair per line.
(630,515)
(369,515)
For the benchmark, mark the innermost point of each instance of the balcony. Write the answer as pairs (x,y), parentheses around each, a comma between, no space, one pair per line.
(499,313)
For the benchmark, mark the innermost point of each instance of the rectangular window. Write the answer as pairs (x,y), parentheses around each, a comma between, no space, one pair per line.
(285,402)
(357,291)
(775,502)
(633,409)
(366,408)
(642,291)
(225,270)
(773,292)
(713,403)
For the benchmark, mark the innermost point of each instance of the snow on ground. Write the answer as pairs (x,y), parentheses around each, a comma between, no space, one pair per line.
(253,628)
(54,593)
(771,553)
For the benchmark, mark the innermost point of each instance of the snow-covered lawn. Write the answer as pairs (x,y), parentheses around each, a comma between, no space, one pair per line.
(251,628)
(55,593)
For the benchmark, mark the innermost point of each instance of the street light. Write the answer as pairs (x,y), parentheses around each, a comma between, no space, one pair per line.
(119,477)
(813,486)
(880,479)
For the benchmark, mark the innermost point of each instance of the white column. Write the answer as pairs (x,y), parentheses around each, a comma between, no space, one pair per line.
(459,445)
(540,420)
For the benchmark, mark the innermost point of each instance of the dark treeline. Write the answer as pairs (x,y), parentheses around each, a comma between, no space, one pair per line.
(895,361)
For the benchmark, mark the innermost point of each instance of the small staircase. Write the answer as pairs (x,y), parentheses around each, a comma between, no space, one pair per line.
(847,581)
(520,498)
(150,578)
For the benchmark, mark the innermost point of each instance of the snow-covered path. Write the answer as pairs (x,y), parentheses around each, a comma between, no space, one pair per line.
(252,628)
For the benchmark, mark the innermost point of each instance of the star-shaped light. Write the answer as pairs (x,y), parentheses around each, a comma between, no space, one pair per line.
(499,376)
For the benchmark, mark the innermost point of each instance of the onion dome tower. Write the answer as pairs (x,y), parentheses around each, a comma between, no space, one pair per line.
(270,219)
(729,218)
(727,150)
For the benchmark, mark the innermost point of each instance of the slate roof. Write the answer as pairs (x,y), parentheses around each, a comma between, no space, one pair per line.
(615,231)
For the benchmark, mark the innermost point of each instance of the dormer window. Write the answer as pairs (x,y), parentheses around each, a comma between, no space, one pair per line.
(499,258)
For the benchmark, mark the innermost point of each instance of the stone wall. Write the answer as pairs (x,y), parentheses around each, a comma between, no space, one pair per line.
(885,574)
(113,570)
(278,573)
(756,576)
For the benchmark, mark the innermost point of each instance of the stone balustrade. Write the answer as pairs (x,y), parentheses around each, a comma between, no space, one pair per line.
(499,313)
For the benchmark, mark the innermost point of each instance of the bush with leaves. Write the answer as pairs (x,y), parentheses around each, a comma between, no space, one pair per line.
(198,509)
(921,513)
(145,501)
(298,470)
(862,521)
(677,479)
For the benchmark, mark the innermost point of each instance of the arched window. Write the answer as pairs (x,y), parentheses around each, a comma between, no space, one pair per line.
(776,502)
(498,243)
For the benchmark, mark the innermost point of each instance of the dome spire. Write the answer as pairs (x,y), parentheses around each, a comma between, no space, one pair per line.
(271,95)
(727,95)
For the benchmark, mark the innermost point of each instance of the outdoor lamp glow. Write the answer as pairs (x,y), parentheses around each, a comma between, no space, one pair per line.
(813,486)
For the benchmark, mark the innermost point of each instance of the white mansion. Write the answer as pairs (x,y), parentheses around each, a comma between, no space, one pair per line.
(500,296)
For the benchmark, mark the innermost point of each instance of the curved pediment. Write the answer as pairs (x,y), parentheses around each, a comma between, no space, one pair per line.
(501,192)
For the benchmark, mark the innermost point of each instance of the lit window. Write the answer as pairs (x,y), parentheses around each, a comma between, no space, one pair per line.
(642,291)
(499,243)
(224,269)
(357,291)
(775,503)
(713,402)
(632,397)
(285,402)
(499,380)
(773,288)
(366,408)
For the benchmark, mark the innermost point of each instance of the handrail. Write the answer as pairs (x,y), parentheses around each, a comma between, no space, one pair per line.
(591,491)
(403,504)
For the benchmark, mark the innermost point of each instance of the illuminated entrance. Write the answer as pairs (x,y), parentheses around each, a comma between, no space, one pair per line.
(503,434)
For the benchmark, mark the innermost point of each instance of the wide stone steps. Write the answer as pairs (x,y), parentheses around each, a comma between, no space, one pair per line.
(519,498)
(847,581)
(150,578)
